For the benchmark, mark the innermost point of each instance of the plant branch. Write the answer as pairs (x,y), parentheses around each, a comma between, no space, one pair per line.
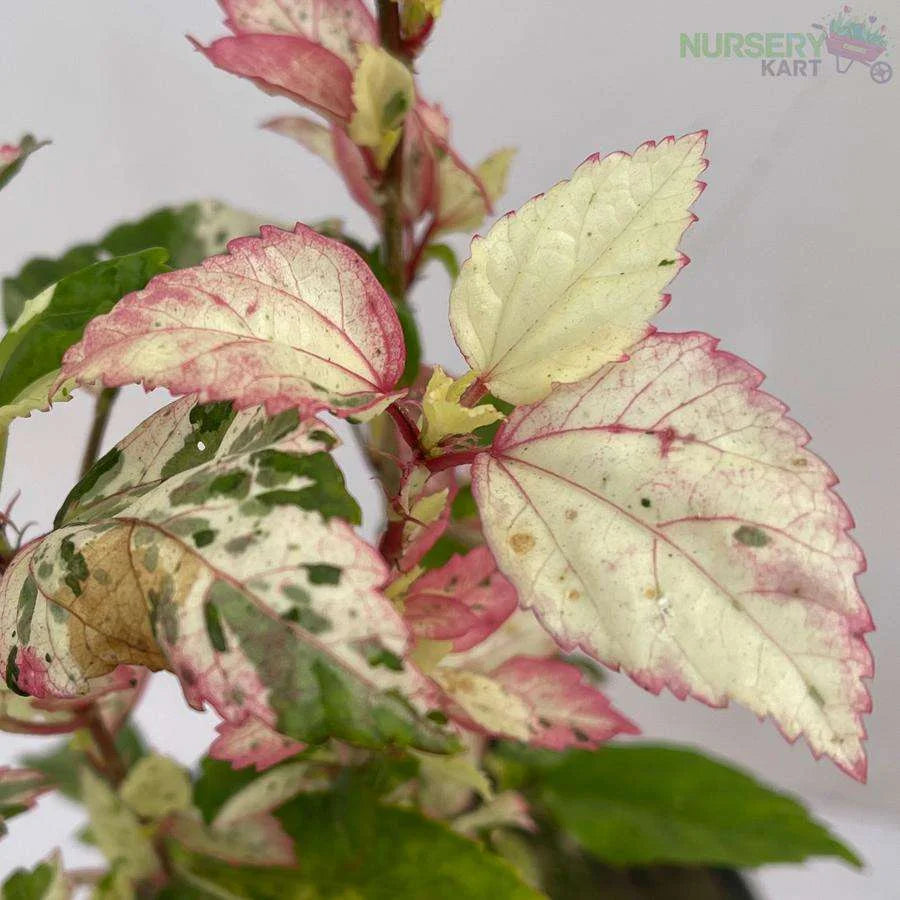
(110,764)
(392,243)
(102,410)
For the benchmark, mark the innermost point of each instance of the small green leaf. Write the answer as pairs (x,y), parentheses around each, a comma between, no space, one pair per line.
(32,350)
(444,254)
(46,881)
(647,804)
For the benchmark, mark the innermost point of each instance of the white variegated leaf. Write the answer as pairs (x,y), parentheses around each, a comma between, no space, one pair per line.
(665,516)
(570,281)
(233,564)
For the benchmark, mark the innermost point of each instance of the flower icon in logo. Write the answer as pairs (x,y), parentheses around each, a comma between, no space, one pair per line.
(853,40)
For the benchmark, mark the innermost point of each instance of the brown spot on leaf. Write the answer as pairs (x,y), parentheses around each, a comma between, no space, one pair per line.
(571,515)
(521,543)
(574,595)
(110,622)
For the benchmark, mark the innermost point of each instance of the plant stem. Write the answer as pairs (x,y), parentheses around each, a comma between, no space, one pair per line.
(110,765)
(392,183)
(102,410)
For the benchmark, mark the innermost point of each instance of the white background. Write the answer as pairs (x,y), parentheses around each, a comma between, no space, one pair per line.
(794,267)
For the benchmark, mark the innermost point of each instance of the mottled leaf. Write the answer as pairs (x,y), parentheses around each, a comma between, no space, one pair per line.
(569,282)
(290,319)
(645,804)
(240,574)
(351,845)
(13,156)
(190,233)
(32,350)
(665,517)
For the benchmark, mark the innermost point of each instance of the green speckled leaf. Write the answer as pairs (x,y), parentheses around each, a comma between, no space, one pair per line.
(231,564)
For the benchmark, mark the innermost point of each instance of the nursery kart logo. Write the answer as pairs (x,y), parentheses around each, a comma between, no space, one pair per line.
(848,37)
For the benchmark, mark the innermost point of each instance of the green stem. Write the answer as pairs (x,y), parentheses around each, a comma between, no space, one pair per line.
(102,410)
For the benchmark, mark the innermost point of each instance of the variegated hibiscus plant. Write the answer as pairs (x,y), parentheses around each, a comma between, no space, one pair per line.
(422,716)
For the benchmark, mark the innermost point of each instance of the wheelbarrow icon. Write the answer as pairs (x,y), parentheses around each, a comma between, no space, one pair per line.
(852,50)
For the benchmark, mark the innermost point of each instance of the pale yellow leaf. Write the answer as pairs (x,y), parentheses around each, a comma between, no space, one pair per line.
(443,413)
(155,787)
(383,93)
(570,281)
(116,830)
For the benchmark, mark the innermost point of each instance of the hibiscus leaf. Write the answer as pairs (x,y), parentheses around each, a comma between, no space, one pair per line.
(665,517)
(238,572)
(288,320)
(651,805)
(570,281)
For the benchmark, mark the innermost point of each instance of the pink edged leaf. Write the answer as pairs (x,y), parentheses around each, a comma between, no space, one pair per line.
(539,701)
(569,282)
(286,320)
(289,66)
(463,601)
(218,545)
(570,712)
(336,25)
(664,516)
(419,517)
(252,743)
